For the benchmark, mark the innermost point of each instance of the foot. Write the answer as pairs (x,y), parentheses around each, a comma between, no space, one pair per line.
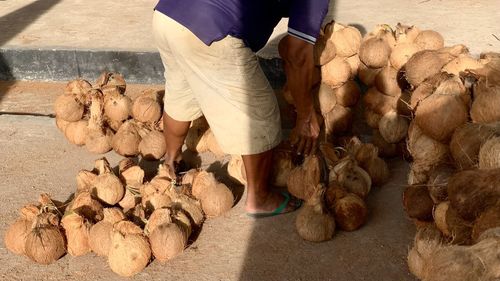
(271,204)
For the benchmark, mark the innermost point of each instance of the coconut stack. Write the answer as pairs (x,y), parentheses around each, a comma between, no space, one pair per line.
(102,117)
(200,138)
(120,216)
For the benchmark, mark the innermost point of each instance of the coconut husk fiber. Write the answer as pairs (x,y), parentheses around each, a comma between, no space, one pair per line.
(489,154)
(486,102)
(451,224)
(379,102)
(438,182)
(302,180)
(427,240)
(417,202)
(487,220)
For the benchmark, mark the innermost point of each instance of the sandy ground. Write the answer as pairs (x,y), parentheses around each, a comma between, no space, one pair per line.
(36,158)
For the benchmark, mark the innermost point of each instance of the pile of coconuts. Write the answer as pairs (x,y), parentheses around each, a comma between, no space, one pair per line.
(102,117)
(120,216)
(335,92)
(333,183)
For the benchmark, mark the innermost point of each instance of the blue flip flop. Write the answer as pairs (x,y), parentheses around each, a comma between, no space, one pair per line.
(281,208)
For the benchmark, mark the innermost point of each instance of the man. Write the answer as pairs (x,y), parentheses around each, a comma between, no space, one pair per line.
(207,48)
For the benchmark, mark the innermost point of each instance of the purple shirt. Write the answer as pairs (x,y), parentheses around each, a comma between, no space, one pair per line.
(252,21)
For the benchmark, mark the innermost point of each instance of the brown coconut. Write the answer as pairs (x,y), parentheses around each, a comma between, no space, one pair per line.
(217,200)
(313,222)
(462,63)
(354,62)
(486,102)
(424,64)
(147,107)
(191,207)
(378,102)
(425,150)
(326,98)
(168,240)
(76,132)
(489,219)
(405,34)
(324,50)
(130,251)
(98,139)
(282,167)
(236,169)
(367,75)
(417,202)
(87,206)
(403,106)
(377,169)
(107,186)
(152,145)
(473,191)
(489,154)
(386,82)
(351,212)
(339,120)
(427,240)
(352,177)
(375,52)
(76,228)
(393,127)
(117,107)
(438,182)
(77,87)
(347,41)
(451,224)
(15,235)
(45,242)
(126,140)
(426,88)
(302,180)
(385,149)
(336,72)
(429,40)
(372,118)
(84,180)
(100,233)
(329,153)
(203,181)
(402,53)
(68,108)
(112,80)
(153,198)
(348,94)
(194,141)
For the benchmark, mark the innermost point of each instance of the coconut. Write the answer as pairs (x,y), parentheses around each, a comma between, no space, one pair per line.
(462,63)
(403,106)
(324,50)
(489,154)
(100,233)
(427,240)
(212,144)
(372,118)
(76,132)
(353,178)
(466,143)
(326,98)
(203,181)
(126,140)
(158,217)
(471,197)
(377,169)
(354,62)
(347,41)
(282,167)
(117,107)
(385,149)
(439,115)
(130,173)
(333,193)
(374,52)
(111,80)
(426,88)
(191,207)
(362,152)
(131,198)
(76,228)
(154,198)
(69,108)
(302,180)
(88,207)
(367,75)
(383,31)
(217,201)
(189,177)
(405,34)
(147,107)
(429,40)
(451,224)
(402,53)
(348,94)
(77,87)
(386,82)
(351,212)
(15,236)
(424,64)
(236,169)
(107,186)
(417,202)
(378,102)
(339,120)
(329,153)
(152,145)
(438,181)
(61,124)
(168,240)
(487,220)
(486,102)
(84,180)
(45,243)
(336,72)
(195,138)
(98,139)
(129,252)
(393,127)
(426,151)
(313,222)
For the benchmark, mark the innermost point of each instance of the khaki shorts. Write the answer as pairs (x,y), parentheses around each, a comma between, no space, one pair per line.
(223,82)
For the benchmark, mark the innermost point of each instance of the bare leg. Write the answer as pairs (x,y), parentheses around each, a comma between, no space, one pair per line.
(260,197)
(175,132)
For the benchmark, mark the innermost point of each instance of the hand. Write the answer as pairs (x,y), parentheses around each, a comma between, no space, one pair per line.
(305,134)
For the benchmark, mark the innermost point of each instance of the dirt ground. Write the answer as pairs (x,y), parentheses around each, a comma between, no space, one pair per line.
(36,158)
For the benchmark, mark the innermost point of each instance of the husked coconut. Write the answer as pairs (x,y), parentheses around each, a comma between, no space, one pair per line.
(100,233)
(348,94)
(347,41)
(393,127)
(303,179)
(147,107)
(98,139)
(417,202)
(451,224)
(336,72)
(405,34)
(313,222)
(367,75)
(429,40)
(386,81)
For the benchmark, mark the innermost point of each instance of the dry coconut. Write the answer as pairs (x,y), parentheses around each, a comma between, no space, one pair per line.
(350,212)
(385,149)
(377,169)
(402,53)
(486,102)
(427,240)
(372,118)
(76,228)
(393,127)
(489,154)
(126,140)
(191,207)
(347,40)
(217,201)
(111,80)
(336,72)
(324,50)
(424,64)
(302,180)
(98,138)
(429,40)
(84,204)
(168,240)
(438,182)
(425,89)
(147,107)
(61,124)
(378,102)
(353,178)
(236,169)
(117,107)
(107,186)
(158,217)
(403,106)
(15,236)
(76,132)
(354,62)
(130,251)
(471,197)
(462,63)
(313,222)
(451,224)
(45,242)
(405,34)
(487,220)
(339,120)
(77,87)
(348,94)
(100,233)
(426,151)
(386,82)
(375,52)
(196,138)
(84,180)
(417,202)
(282,166)
(326,99)
(153,145)
(367,75)
(201,182)
(69,108)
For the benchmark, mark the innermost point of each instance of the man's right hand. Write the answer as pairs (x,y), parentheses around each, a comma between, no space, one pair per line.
(305,134)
